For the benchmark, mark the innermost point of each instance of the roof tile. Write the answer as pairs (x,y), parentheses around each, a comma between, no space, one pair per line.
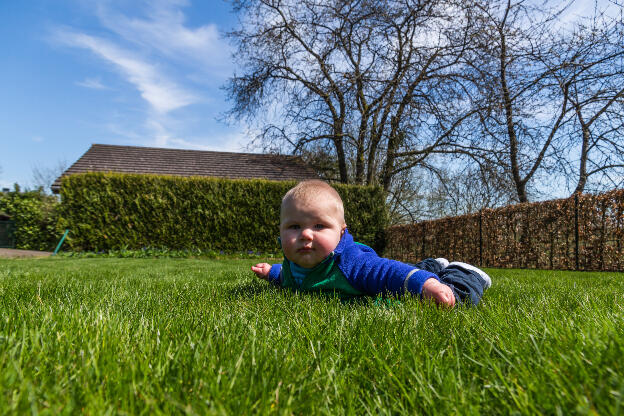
(180,162)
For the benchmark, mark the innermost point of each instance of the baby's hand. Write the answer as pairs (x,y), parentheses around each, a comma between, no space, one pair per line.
(262,270)
(439,292)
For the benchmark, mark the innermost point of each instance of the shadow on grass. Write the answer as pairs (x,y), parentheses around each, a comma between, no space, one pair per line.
(250,289)
(253,289)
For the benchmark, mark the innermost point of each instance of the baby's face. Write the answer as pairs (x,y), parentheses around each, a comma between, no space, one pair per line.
(310,230)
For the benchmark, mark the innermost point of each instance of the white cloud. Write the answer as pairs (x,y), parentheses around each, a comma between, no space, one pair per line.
(186,144)
(162,137)
(158,131)
(231,142)
(157,51)
(160,92)
(164,30)
(93,83)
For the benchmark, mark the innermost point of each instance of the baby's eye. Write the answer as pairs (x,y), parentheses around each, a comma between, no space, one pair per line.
(293,227)
(319,226)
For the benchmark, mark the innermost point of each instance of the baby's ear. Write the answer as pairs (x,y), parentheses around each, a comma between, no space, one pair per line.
(344,227)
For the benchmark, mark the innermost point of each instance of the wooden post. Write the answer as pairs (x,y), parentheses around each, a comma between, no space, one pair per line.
(481,238)
(576,231)
(422,256)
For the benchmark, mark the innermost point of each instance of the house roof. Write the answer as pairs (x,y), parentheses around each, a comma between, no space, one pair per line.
(179,162)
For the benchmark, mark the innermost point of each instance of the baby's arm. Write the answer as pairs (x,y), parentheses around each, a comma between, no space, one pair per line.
(439,292)
(374,275)
(262,270)
(268,272)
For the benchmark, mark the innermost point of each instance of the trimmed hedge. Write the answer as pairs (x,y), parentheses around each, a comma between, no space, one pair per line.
(107,211)
(35,216)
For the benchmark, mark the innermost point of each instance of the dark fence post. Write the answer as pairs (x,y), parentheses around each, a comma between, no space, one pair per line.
(481,238)
(618,237)
(422,256)
(576,230)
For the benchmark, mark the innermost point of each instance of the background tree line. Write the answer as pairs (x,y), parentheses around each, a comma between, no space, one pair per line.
(449,105)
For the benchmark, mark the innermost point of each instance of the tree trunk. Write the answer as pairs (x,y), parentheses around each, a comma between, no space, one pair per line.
(340,153)
(372,158)
(359,157)
(393,145)
(582,179)
(511,132)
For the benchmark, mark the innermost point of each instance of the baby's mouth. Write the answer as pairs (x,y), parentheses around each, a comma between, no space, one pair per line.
(305,249)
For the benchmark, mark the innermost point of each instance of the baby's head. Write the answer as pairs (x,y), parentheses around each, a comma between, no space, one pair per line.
(311,222)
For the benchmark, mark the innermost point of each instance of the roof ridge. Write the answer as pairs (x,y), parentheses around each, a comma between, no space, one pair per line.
(188,150)
(188,162)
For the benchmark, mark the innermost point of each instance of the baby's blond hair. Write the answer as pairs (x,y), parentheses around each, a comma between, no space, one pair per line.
(311,190)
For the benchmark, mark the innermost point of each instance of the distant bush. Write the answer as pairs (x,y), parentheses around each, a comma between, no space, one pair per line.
(35,216)
(107,211)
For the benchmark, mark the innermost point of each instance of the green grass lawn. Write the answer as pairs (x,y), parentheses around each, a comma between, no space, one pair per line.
(117,336)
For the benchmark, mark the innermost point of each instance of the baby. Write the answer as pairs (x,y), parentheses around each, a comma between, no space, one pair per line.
(321,255)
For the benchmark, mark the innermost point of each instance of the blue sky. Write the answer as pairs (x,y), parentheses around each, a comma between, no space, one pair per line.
(128,72)
(145,73)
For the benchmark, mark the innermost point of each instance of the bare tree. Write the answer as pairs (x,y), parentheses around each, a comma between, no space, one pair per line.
(480,96)
(44,176)
(522,111)
(551,96)
(448,189)
(373,84)
(594,67)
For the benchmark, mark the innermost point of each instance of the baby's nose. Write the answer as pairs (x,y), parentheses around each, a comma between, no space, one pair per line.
(306,234)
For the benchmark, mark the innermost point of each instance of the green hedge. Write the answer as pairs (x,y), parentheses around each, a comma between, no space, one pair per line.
(111,211)
(35,216)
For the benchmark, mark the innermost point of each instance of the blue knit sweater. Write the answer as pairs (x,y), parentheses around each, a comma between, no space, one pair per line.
(369,273)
